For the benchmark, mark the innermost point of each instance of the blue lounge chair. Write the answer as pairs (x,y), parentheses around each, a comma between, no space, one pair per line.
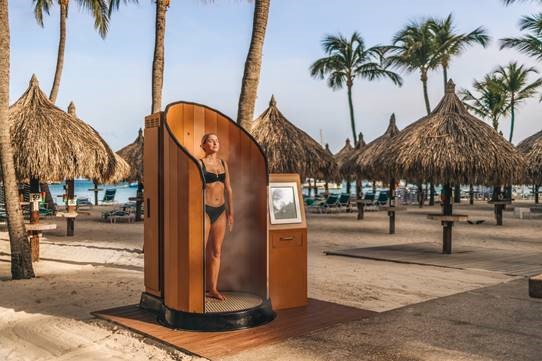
(109,196)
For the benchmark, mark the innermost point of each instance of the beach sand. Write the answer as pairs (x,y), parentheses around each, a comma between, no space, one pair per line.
(48,318)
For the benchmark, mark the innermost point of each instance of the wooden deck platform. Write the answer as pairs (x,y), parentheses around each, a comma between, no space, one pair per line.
(514,263)
(288,323)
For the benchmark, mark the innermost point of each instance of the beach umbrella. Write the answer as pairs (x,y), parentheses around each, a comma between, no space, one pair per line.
(363,161)
(49,144)
(342,155)
(133,154)
(289,149)
(451,146)
(531,147)
(112,168)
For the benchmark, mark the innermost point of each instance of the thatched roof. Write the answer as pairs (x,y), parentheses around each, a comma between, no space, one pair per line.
(49,144)
(133,154)
(342,155)
(452,146)
(531,147)
(363,161)
(112,168)
(289,149)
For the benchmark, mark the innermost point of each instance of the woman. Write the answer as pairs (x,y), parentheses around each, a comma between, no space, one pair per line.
(218,209)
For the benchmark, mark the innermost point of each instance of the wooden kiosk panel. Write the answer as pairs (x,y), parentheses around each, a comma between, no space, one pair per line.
(244,260)
(151,227)
(183,224)
(288,255)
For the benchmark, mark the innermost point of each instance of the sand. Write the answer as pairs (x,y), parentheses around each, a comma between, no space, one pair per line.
(48,318)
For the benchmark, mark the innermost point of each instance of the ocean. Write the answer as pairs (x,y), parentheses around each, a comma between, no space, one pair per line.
(82,186)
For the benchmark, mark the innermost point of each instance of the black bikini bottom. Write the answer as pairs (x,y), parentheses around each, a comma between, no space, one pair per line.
(214,212)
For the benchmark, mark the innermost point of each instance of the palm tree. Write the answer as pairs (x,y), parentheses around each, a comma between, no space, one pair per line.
(251,74)
(450,44)
(514,80)
(531,43)
(414,49)
(158,59)
(492,102)
(21,258)
(348,59)
(99,10)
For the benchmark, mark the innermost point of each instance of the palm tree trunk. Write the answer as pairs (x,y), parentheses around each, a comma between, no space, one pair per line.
(495,124)
(423,78)
(253,63)
(21,257)
(351,107)
(445,75)
(512,114)
(158,60)
(61,46)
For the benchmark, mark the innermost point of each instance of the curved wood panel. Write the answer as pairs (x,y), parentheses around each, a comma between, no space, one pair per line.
(244,265)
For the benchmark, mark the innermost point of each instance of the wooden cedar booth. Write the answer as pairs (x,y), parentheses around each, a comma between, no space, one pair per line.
(174,242)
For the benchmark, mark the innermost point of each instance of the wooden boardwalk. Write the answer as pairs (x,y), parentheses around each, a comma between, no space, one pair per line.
(288,323)
(514,263)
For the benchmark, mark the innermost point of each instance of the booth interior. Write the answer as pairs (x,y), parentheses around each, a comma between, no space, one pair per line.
(174,239)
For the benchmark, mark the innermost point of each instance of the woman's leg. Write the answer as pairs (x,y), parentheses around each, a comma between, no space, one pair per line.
(214,249)
(207,249)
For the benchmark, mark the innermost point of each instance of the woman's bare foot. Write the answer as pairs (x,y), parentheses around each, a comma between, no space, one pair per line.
(216,294)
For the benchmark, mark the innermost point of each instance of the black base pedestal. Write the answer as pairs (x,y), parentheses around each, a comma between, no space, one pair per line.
(212,321)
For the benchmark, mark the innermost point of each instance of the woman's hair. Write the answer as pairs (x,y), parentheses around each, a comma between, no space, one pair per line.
(206,136)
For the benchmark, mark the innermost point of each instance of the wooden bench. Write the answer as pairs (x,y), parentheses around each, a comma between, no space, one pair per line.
(535,286)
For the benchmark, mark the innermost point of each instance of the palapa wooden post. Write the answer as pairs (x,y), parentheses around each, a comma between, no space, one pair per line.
(391,212)
(447,225)
(70,207)
(95,193)
(536,187)
(34,219)
(457,193)
(471,194)
(139,201)
(359,201)
(431,194)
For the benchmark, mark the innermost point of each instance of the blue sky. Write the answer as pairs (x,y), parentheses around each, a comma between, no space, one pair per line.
(206,43)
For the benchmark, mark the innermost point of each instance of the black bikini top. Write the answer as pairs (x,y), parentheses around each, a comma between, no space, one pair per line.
(211,177)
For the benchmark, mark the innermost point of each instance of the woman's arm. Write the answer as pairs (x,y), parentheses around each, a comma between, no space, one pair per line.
(229,197)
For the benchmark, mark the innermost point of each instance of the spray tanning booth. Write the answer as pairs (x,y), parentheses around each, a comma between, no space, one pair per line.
(174,244)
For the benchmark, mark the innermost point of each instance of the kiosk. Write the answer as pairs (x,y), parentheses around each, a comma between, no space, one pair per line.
(174,245)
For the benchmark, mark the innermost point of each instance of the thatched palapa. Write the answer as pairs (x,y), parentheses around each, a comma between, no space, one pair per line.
(531,147)
(452,146)
(133,154)
(289,149)
(51,145)
(112,168)
(364,161)
(342,156)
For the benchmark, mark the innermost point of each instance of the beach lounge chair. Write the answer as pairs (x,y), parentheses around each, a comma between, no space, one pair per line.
(344,201)
(368,198)
(382,198)
(109,196)
(331,202)
(83,203)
